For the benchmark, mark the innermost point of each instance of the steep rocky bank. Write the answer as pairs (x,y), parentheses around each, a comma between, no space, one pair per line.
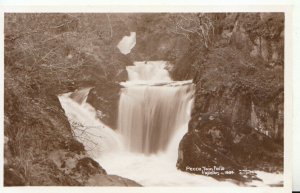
(47,55)
(237,121)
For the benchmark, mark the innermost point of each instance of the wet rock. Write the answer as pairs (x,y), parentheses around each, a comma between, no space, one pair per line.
(213,143)
(76,168)
(208,147)
(110,180)
(87,167)
(106,102)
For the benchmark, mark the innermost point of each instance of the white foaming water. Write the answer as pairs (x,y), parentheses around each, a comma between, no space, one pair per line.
(150,71)
(149,115)
(88,129)
(153,117)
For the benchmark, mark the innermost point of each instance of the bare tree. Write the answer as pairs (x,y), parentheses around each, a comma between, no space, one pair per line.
(197,25)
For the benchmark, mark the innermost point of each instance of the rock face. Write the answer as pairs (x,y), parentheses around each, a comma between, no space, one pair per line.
(237,121)
(110,180)
(28,148)
(106,102)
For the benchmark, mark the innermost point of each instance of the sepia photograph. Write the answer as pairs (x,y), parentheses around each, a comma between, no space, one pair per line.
(164,99)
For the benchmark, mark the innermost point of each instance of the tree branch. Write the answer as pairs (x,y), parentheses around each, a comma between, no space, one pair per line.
(111,30)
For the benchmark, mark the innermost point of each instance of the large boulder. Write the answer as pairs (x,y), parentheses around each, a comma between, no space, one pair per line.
(105,99)
(212,142)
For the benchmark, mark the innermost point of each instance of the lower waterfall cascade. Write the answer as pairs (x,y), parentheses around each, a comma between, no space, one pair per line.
(153,116)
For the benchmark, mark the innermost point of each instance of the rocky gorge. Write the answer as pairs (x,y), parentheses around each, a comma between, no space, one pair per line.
(236,64)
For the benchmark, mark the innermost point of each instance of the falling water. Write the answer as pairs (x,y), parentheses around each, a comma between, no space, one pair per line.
(153,117)
(148,71)
(149,114)
(87,128)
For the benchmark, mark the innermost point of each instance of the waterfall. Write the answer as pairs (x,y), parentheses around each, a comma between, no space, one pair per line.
(153,117)
(148,71)
(96,137)
(152,107)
